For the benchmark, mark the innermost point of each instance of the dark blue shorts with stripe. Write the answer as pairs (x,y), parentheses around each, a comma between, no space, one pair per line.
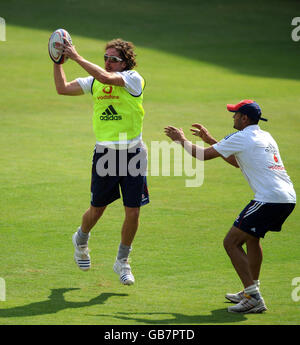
(119,171)
(258,217)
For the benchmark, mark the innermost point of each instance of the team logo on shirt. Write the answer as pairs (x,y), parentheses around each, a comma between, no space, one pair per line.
(277,164)
(107,90)
(271,148)
(110,114)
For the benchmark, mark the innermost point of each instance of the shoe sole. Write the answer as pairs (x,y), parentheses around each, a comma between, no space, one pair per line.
(76,261)
(255,310)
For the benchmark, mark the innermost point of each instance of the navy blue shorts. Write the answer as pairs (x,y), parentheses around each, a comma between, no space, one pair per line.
(259,217)
(115,170)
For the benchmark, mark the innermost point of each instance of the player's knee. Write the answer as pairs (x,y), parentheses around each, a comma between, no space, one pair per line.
(132,213)
(230,243)
(227,244)
(96,212)
(234,239)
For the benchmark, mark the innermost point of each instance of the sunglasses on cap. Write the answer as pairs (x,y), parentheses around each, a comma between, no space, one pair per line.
(112,58)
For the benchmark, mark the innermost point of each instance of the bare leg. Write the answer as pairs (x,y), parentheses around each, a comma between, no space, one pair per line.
(130,225)
(233,243)
(91,217)
(255,256)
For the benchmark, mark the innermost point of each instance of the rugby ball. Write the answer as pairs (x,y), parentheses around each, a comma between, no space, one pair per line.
(55,41)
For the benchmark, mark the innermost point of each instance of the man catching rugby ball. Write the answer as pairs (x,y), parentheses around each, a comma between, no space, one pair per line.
(117,92)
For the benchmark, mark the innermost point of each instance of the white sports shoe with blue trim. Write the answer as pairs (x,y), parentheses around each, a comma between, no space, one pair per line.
(81,255)
(123,268)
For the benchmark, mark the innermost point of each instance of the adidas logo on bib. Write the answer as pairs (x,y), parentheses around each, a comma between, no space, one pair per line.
(110,114)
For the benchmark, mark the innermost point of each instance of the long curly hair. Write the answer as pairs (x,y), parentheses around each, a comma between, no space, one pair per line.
(126,51)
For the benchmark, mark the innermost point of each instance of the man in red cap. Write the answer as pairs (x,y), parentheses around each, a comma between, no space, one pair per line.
(256,153)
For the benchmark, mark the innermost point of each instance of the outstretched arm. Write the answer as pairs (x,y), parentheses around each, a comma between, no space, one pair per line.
(196,151)
(204,134)
(62,86)
(96,71)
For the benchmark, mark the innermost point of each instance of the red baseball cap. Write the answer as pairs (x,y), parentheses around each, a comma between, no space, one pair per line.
(247,107)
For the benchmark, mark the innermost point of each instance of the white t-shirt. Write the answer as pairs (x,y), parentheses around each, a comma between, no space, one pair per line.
(132,79)
(133,84)
(258,156)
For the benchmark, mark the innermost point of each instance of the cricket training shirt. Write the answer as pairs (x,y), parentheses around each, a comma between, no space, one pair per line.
(258,156)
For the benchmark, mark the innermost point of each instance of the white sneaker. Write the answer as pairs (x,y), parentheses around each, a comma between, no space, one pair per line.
(81,255)
(123,268)
(249,305)
(235,297)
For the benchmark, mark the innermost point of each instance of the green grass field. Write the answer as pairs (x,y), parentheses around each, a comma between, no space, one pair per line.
(196,57)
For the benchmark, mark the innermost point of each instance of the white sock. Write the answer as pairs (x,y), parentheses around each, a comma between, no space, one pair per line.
(123,251)
(256,282)
(252,291)
(82,237)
